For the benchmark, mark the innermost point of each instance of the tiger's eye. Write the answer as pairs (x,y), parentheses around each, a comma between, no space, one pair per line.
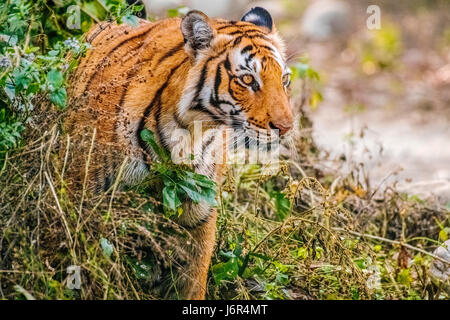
(286,79)
(247,79)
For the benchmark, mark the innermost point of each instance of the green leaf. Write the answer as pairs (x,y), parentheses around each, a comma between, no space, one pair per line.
(59,97)
(200,179)
(131,20)
(107,247)
(282,204)
(12,40)
(55,78)
(142,269)
(170,197)
(225,271)
(443,234)
(404,277)
(149,137)
(138,7)
(192,191)
(315,98)
(198,194)
(282,278)
(304,71)
(302,253)
(53,53)
(94,8)
(209,196)
(227,254)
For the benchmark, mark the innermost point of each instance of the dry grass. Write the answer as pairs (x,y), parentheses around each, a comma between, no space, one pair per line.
(46,228)
(336,240)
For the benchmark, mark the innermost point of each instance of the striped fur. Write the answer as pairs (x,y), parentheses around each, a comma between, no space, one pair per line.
(163,76)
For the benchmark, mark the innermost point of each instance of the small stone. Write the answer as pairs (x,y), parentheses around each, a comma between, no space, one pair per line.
(439,269)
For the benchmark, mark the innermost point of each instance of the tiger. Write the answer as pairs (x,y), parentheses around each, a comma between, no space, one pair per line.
(164,76)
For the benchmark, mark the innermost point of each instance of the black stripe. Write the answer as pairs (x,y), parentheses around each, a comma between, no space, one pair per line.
(199,107)
(171,52)
(227,63)
(99,30)
(207,143)
(247,48)
(229,25)
(108,176)
(202,78)
(130,74)
(156,98)
(218,102)
(247,142)
(256,34)
(136,69)
(243,32)
(266,47)
(161,138)
(237,40)
(260,36)
(97,186)
(105,58)
(217,80)
(179,122)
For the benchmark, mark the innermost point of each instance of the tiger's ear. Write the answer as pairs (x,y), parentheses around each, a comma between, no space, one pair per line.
(197,31)
(260,17)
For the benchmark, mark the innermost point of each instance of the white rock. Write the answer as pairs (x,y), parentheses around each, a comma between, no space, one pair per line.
(438,268)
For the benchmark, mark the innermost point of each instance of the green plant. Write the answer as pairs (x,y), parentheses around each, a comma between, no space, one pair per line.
(303,71)
(180,182)
(121,12)
(38,50)
(10,132)
(382,50)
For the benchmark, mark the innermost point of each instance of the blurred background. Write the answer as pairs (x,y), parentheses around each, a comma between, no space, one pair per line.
(384,94)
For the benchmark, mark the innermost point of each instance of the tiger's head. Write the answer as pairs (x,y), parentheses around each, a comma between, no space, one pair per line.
(239,76)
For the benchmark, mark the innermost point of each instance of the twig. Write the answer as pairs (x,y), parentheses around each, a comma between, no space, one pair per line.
(394,242)
(117,181)
(65,159)
(391,277)
(86,172)
(59,207)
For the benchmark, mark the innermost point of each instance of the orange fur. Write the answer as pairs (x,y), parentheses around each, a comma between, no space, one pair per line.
(136,78)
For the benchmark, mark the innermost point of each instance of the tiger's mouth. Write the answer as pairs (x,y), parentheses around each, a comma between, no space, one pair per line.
(255,138)
(246,134)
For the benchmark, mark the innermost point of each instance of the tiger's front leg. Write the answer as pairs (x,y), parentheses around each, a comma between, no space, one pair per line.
(195,275)
(201,221)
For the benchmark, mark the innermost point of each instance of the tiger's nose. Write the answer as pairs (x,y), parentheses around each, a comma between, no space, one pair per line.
(283,128)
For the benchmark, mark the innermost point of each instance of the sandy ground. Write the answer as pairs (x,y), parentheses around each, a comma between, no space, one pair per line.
(407,149)
(402,133)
